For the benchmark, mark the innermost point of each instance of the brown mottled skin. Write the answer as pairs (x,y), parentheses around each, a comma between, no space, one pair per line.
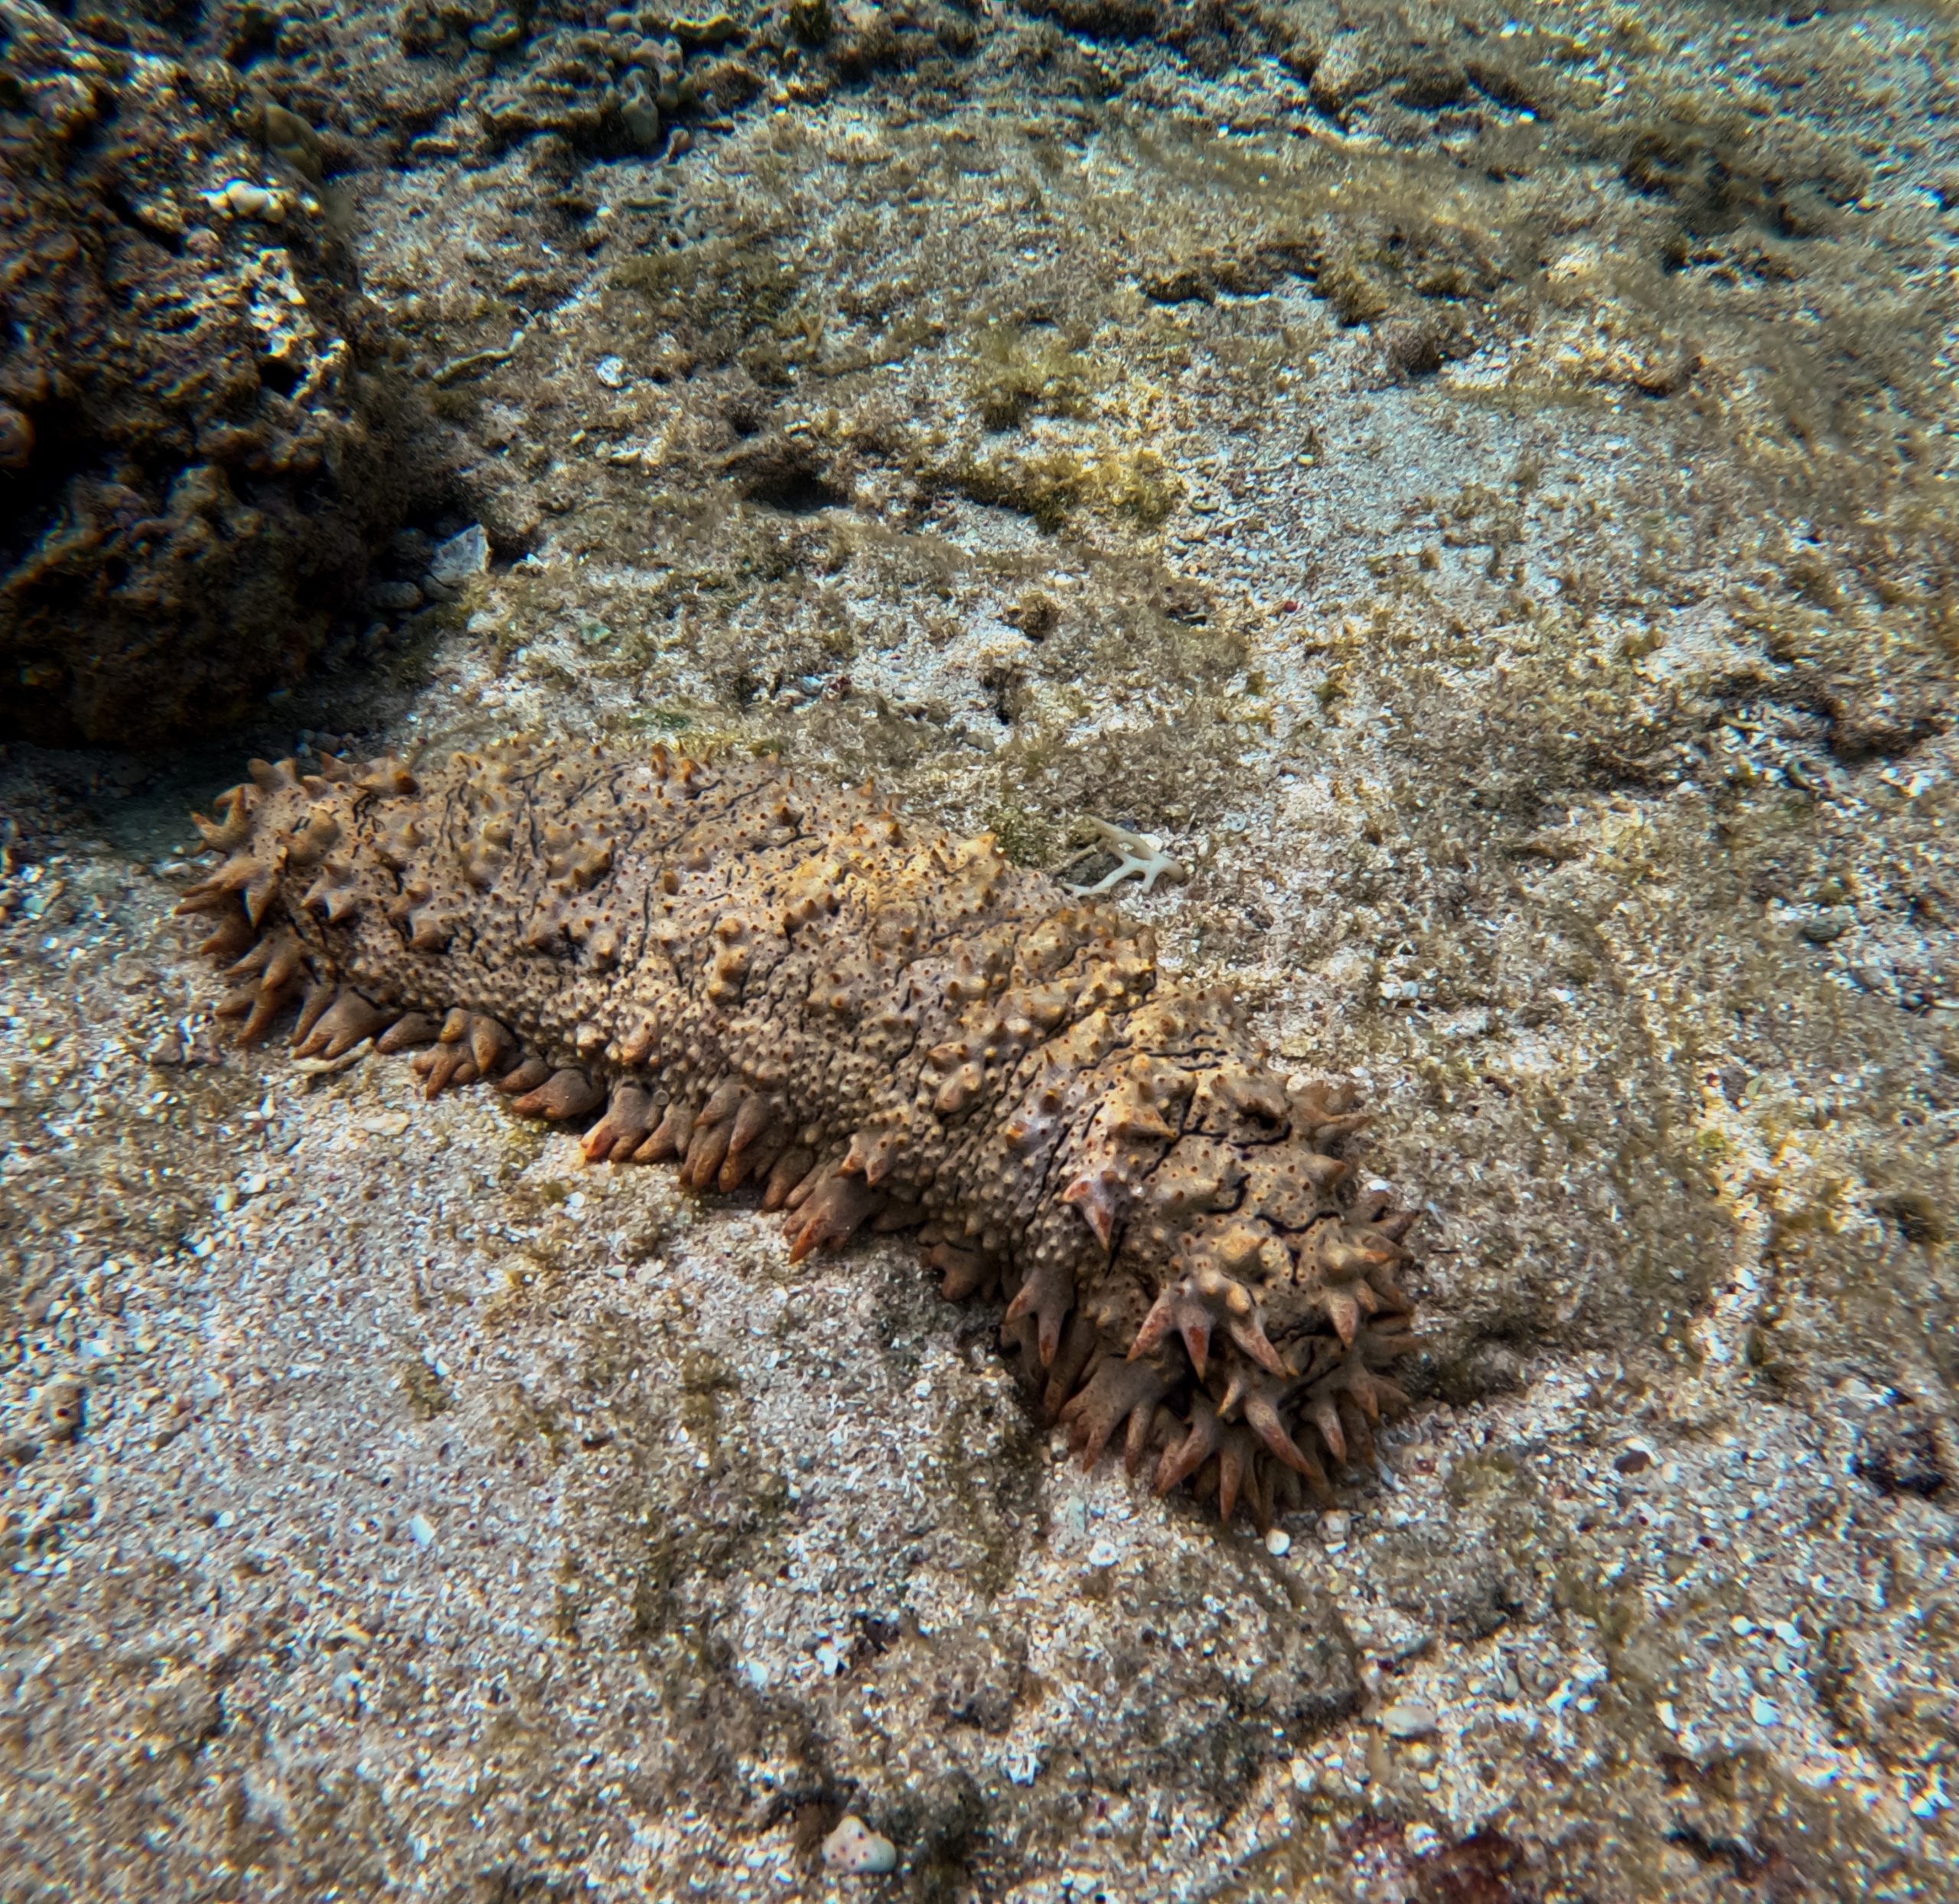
(777,983)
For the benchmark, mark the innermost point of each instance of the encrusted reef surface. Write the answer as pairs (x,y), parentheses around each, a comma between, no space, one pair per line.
(201,451)
(1473,491)
(879,1025)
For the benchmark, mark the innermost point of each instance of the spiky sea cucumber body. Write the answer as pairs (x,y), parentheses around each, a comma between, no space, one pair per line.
(780,983)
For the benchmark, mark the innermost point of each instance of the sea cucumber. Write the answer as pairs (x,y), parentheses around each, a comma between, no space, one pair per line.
(784,985)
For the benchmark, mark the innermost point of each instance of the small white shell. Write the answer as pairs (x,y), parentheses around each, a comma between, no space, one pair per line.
(854,1846)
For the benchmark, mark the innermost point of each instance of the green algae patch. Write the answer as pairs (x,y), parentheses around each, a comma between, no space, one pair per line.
(711,297)
(426,1393)
(1020,373)
(1052,485)
(1027,836)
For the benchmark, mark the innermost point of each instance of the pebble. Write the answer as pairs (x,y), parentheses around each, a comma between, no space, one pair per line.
(640,117)
(1104,1554)
(854,1846)
(1409,1718)
(610,372)
(461,556)
(61,1408)
(1278,1543)
(398,597)
(420,1530)
(240,198)
(1334,1527)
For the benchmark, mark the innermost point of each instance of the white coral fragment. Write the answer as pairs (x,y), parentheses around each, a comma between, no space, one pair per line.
(1141,856)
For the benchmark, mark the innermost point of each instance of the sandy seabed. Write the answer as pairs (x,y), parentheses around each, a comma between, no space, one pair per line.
(1480,492)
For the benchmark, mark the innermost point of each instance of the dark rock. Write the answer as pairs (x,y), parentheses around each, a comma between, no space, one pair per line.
(1898,1453)
(1105,19)
(194,456)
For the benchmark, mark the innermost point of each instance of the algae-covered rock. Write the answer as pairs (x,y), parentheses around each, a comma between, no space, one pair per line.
(198,447)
